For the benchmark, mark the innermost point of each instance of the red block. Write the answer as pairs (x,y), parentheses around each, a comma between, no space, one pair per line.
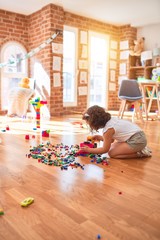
(45,134)
(27,137)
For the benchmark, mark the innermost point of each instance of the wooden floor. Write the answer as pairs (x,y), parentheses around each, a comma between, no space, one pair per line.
(120,201)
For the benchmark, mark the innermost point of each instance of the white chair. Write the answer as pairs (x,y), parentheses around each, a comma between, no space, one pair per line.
(129,92)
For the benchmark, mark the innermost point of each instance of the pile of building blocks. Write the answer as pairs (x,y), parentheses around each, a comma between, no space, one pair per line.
(61,155)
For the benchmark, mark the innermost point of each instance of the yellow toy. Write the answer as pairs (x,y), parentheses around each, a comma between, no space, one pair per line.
(138,47)
(27,202)
(24,83)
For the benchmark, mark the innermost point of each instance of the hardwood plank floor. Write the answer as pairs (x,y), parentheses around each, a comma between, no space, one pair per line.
(120,201)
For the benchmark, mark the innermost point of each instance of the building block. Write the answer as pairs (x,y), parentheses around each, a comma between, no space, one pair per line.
(37,103)
(27,137)
(1,212)
(45,133)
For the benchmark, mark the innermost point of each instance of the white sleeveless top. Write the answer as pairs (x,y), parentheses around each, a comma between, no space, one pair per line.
(124,129)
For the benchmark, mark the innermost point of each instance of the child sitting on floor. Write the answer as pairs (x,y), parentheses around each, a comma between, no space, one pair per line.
(121,138)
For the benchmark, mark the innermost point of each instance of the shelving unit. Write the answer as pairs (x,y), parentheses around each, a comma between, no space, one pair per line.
(136,70)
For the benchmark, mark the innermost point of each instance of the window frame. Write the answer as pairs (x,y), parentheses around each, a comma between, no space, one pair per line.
(75,31)
(4,74)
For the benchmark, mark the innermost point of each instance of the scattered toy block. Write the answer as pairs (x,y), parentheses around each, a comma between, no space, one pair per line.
(45,133)
(26,202)
(1,212)
(27,137)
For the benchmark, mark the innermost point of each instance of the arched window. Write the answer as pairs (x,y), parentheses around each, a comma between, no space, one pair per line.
(12,73)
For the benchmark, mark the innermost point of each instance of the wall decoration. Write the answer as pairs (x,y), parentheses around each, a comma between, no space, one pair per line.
(82,91)
(83,77)
(112,87)
(113,54)
(83,37)
(84,51)
(56,63)
(56,80)
(113,64)
(120,78)
(57,48)
(112,75)
(114,44)
(83,64)
(124,55)
(124,45)
(31,53)
(122,68)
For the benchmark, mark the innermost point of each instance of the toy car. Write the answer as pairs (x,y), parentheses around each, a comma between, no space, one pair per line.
(27,201)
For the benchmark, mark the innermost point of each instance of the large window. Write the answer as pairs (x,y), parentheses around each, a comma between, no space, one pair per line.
(98,65)
(69,66)
(14,71)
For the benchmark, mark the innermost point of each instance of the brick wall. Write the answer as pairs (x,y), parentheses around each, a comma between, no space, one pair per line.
(13,27)
(32,30)
(42,25)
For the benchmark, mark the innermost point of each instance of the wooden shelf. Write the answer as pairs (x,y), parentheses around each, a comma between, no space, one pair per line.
(150,67)
(135,71)
(137,67)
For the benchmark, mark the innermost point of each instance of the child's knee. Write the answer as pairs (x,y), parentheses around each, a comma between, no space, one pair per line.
(111,154)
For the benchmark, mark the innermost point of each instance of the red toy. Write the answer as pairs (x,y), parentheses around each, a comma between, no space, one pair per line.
(84,144)
(87,143)
(45,133)
(27,137)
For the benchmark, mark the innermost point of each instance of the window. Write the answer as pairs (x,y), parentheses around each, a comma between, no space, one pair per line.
(13,72)
(98,65)
(69,66)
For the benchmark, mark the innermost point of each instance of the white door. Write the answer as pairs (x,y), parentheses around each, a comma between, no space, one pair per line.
(98,69)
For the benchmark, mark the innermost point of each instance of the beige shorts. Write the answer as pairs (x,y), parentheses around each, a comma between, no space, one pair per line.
(137,141)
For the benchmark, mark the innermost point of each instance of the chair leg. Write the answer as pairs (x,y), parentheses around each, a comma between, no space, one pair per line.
(122,108)
(138,111)
(134,112)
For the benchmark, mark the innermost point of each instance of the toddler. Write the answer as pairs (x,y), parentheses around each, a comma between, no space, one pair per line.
(121,138)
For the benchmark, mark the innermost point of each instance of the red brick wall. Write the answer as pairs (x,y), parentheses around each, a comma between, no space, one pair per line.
(13,27)
(34,29)
(127,33)
(42,25)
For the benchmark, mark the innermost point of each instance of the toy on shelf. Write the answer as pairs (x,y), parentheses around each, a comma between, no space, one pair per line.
(156,73)
(138,47)
(37,104)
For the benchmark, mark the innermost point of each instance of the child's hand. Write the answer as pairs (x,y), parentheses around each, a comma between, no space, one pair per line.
(97,138)
(85,149)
